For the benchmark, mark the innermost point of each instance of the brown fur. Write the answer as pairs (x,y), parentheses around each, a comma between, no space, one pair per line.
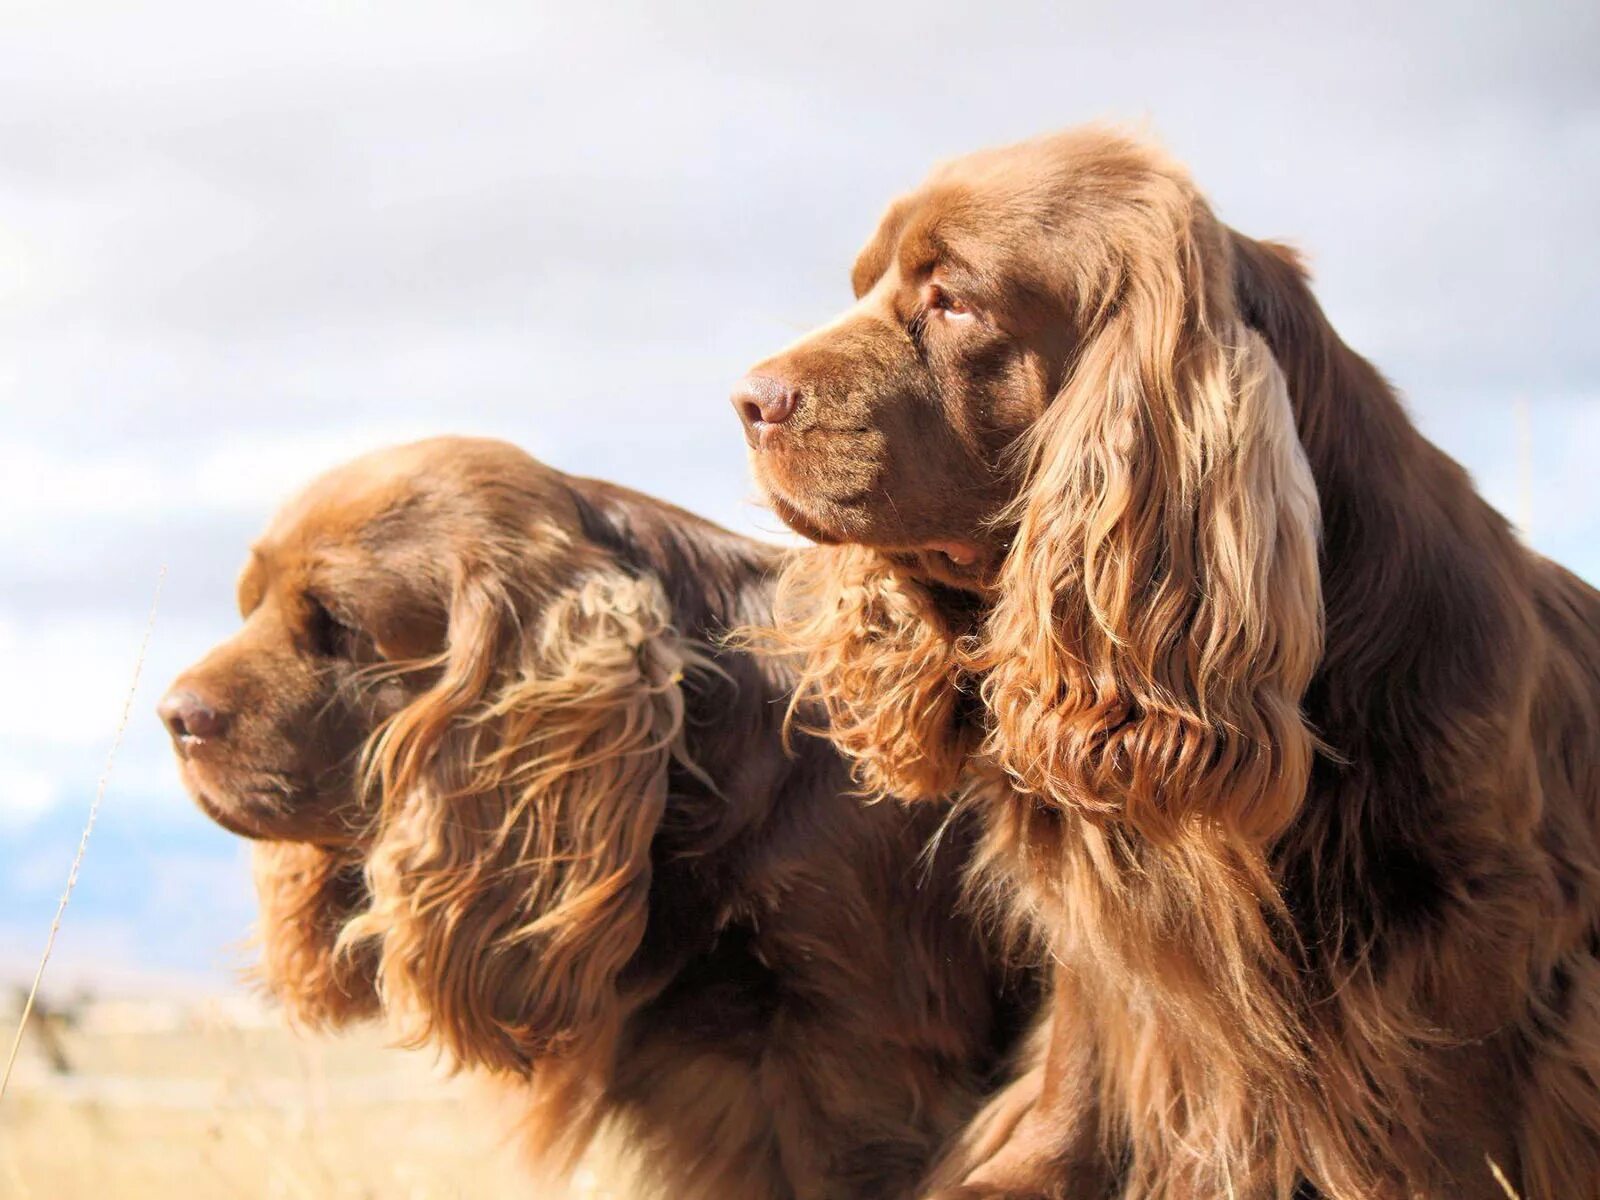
(308,895)
(1311,838)
(587,864)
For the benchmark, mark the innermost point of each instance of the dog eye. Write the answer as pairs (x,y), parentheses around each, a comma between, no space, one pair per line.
(939,300)
(329,636)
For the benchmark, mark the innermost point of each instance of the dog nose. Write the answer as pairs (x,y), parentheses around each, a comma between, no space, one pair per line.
(189,718)
(764,400)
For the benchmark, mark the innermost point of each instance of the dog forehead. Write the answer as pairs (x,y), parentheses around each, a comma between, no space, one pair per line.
(413,506)
(343,506)
(969,209)
(443,477)
(1038,186)
(1069,156)
(975,212)
(964,235)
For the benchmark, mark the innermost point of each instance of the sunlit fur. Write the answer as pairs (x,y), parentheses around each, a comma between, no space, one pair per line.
(1287,746)
(579,858)
(1159,614)
(308,895)
(511,879)
(874,651)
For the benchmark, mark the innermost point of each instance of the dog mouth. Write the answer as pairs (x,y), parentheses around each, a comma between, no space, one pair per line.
(955,562)
(231,817)
(962,565)
(955,554)
(269,808)
(800,521)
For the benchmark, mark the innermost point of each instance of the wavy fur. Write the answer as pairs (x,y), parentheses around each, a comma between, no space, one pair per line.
(1287,748)
(580,858)
(512,875)
(874,652)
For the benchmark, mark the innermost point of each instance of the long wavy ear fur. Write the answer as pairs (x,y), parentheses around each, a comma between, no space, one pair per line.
(520,796)
(308,896)
(876,654)
(1159,614)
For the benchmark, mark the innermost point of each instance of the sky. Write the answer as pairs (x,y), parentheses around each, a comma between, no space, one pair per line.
(241,243)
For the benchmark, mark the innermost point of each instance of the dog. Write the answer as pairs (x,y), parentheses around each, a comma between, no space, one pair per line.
(512,787)
(1285,747)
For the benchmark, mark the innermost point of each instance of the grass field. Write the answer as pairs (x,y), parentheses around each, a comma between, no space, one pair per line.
(137,1101)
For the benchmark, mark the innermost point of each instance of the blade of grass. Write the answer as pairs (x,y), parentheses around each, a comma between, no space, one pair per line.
(83,841)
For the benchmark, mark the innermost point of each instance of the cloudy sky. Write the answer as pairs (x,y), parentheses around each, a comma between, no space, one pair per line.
(237,246)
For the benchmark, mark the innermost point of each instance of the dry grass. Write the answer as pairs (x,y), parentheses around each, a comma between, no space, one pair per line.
(83,840)
(210,1103)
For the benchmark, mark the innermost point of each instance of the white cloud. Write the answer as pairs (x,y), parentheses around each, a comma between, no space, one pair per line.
(41,483)
(245,472)
(25,792)
(57,731)
(253,473)
(69,680)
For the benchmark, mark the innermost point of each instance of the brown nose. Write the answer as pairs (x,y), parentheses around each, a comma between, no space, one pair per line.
(763,400)
(189,718)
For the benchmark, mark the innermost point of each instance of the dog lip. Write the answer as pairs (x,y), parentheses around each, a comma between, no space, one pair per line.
(759,435)
(797,519)
(227,818)
(961,554)
(958,558)
(955,562)
(232,804)
(938,567)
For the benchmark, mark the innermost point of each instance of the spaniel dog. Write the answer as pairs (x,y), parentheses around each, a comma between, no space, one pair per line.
(510,785)
(1283,743)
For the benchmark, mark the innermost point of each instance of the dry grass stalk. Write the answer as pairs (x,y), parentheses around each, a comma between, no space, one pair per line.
(83,841)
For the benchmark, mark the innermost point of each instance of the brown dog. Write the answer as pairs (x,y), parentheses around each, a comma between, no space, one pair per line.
(1284,744)
(508,778)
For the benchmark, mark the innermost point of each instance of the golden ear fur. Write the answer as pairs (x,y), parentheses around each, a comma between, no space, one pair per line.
(1159,614)
(520,797)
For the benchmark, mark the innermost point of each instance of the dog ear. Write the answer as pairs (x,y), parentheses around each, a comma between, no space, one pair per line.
(520,796)
(308,895)
(1159,614)
(877,657)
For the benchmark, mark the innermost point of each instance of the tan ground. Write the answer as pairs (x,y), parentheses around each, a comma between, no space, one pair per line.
(220,1101)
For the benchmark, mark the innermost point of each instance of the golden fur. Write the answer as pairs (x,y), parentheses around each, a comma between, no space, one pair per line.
(511,877)
(1284,746)
(881,658)
(512,784)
